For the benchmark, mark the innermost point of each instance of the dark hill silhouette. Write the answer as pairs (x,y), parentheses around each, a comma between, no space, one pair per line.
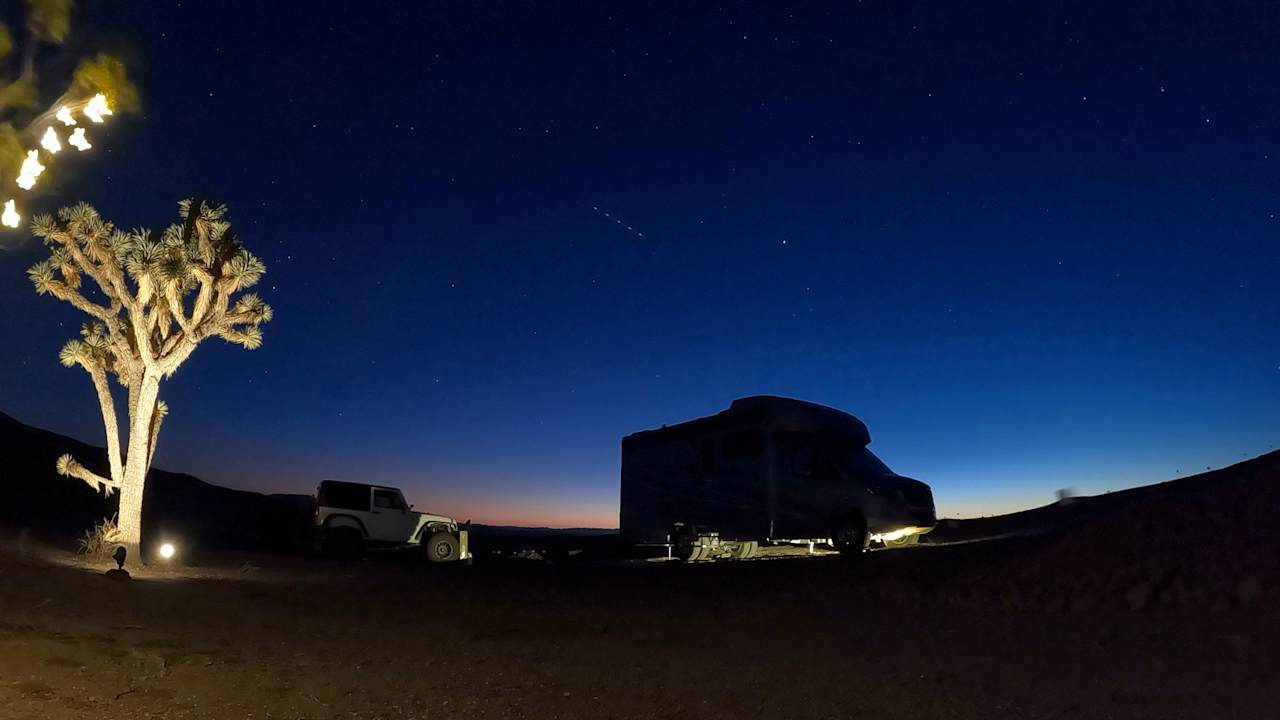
(1075,510)
(198,513)
(33,495)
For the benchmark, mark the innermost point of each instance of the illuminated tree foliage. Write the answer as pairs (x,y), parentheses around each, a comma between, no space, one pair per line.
(152,300)
(24,119)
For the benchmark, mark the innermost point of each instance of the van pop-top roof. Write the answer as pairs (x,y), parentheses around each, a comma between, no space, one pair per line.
(776,413)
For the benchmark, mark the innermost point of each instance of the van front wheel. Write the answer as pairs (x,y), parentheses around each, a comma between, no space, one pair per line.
(850,535)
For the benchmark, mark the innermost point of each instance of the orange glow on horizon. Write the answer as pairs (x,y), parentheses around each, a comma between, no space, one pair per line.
(522,515)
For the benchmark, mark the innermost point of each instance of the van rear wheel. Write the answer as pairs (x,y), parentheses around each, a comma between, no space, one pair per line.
(682,543)
(850,535)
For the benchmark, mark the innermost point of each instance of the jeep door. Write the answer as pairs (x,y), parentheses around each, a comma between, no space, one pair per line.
(389,517)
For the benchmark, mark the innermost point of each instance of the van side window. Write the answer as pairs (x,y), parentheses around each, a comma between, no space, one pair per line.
(802,460)
(743,444)
(812,459)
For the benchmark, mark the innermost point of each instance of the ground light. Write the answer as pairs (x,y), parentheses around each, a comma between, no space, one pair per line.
(167,551)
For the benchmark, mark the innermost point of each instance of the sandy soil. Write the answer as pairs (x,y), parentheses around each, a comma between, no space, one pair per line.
(928,632)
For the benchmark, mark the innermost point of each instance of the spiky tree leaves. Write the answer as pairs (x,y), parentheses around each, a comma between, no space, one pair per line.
(152,300)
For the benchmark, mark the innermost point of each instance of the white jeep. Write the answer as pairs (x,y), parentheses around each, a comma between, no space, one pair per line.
(353,516)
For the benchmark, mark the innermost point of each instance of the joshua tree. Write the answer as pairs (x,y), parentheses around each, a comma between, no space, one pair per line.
(155,300)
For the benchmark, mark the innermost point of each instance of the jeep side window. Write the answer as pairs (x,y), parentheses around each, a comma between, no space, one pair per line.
(347,496)
(386,499)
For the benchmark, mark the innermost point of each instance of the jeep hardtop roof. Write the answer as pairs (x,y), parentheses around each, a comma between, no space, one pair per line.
(348,495)
(344,483)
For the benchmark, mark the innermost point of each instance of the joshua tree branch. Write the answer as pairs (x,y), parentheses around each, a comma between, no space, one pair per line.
(135,383)
(141,327)
(180,345)
(157,418)
(99,273)
(65,292)
(68,467)
(109,421)
(178,354)
(171,342)
(116,331)
(230,320)
(203,297)
(175,307)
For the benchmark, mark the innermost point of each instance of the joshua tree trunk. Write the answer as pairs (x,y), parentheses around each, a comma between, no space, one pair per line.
(146,412)
(129,520)
(137,461)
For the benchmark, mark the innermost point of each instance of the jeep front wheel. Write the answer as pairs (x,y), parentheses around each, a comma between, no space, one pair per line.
(441,547)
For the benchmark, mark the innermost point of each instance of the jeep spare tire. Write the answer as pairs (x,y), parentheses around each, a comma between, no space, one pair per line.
(442,547)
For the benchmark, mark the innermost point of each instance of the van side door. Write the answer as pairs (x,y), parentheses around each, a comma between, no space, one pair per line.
(741,485)
(811,488)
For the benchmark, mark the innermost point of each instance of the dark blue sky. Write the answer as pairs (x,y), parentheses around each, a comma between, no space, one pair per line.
(1032,245)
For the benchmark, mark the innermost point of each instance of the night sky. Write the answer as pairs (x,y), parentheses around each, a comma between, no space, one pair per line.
(1031,245)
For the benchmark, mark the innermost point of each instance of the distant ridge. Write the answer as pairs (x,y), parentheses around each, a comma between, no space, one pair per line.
(518,529)
(1072,510)
(33,495)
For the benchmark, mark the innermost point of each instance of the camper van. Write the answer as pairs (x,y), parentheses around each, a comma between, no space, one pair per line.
(768,470)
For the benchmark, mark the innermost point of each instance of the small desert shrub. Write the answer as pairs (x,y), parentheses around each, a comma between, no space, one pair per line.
(101,540)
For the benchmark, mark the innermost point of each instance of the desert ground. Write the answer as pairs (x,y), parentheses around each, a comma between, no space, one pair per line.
(1127,615)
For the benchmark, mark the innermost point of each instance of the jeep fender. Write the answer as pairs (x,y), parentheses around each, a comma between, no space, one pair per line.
(431,528)
(338,521)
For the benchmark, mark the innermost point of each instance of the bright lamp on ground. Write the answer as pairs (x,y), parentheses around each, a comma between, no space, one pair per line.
(167,550)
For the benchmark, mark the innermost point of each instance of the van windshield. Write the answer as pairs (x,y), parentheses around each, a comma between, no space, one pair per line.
(857,460)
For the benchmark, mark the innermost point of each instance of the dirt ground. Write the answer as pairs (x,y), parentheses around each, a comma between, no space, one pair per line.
(927,632)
